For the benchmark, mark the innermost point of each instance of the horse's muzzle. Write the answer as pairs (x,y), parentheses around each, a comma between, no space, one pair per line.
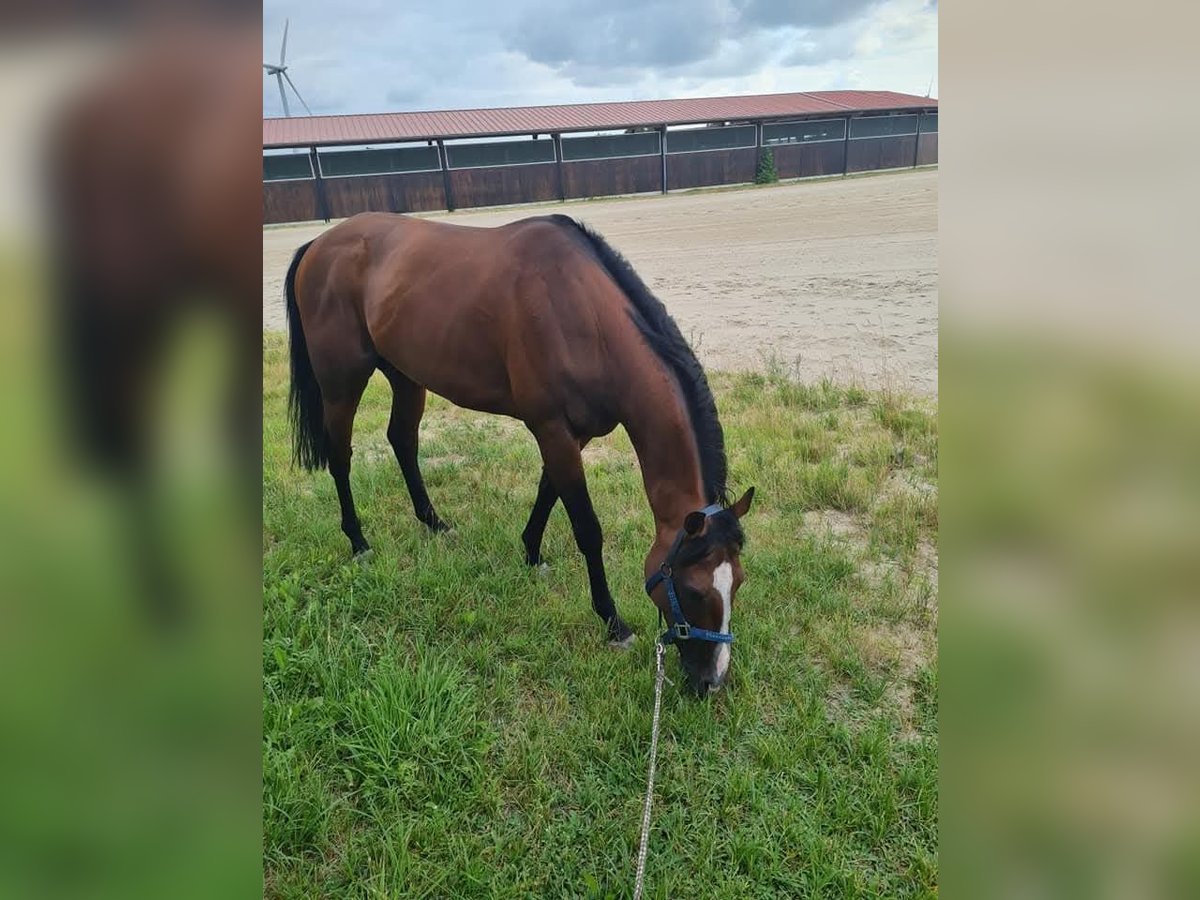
(704,685)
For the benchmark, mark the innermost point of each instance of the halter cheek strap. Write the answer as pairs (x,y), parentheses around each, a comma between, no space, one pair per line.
(679,629)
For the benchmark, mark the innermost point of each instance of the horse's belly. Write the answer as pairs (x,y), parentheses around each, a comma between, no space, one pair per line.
(472,396)
(477,384)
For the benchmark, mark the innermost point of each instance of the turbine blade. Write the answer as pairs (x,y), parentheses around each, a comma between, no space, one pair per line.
(282,95)
(283,49)
(298,97)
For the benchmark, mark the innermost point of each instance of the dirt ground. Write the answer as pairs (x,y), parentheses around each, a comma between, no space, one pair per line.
(834,278)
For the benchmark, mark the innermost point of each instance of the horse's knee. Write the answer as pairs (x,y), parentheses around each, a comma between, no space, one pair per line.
(588,536)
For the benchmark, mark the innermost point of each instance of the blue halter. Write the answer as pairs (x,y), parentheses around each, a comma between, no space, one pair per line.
(679,629)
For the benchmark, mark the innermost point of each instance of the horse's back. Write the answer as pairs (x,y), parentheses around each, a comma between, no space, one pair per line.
(510,319)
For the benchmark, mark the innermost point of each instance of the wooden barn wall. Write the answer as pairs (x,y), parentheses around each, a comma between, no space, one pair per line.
(805,160)
(604,177)
(499,185)
(881,153)
(685,170)
(927,149)
(399,193)
(289,201)
(297,201)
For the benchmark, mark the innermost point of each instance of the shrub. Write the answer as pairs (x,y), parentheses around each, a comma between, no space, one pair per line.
(766,173)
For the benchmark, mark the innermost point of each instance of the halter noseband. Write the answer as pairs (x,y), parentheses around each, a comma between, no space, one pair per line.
(679,629)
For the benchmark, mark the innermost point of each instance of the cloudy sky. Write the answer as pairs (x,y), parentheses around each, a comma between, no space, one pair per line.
(379,55)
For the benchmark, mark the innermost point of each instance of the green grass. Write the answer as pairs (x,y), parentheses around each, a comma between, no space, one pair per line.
(444,722)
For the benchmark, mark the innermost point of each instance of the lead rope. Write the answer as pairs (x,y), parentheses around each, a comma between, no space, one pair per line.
(660,652)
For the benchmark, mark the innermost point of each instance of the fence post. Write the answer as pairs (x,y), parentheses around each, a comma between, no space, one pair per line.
(662,149)
(447,189)
(318,184)
(846,149)
(557,138)
(917,148)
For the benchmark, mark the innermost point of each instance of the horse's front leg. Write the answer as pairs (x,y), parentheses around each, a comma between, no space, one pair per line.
(563,464)
(531,537)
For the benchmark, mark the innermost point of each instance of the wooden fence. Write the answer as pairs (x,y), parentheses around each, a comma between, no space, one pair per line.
(833,147)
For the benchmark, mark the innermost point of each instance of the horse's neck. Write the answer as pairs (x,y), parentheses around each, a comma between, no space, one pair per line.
(661,432)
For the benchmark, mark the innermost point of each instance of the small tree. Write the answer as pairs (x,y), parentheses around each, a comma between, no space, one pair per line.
(766,173)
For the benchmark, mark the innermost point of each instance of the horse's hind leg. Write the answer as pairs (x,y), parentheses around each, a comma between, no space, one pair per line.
(339,407)
(408,405)
(564,464)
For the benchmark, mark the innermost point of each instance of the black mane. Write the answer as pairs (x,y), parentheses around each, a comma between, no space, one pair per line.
(662,334)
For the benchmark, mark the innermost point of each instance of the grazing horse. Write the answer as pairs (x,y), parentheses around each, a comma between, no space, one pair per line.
(543,321)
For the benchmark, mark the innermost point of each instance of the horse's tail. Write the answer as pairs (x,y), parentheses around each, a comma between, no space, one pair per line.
(304,399)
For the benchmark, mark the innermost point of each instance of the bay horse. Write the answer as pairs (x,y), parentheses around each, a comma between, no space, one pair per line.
(540,320)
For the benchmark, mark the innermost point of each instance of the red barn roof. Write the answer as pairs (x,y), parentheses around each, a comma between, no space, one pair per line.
(459,123)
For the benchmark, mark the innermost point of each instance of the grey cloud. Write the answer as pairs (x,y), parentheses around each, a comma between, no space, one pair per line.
(590,35)
(404,97)
(593,43)
(376,55)
(800,13)
(820,46)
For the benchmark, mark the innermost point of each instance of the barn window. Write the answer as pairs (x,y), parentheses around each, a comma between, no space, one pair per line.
(608,146)
(689,140)
(292,166)
(378,161)
(928,123)
(483,154)
(882,126)
(805,131)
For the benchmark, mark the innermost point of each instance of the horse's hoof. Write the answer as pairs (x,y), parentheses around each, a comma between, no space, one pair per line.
(362,557)
(620,635)
(542,569)
(624,644)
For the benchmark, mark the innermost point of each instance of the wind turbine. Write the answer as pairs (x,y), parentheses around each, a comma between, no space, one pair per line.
(280,72)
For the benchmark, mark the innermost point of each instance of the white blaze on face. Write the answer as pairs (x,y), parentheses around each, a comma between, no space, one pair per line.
(723,582)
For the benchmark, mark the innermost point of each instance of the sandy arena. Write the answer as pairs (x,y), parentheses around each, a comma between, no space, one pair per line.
(834,278)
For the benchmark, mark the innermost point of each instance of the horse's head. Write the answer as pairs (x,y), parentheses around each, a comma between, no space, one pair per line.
(704,568)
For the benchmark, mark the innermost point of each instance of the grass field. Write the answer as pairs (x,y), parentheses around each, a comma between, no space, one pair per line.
(444,722)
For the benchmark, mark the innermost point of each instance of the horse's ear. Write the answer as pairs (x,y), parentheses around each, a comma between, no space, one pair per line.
(742,506)
(694,523)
